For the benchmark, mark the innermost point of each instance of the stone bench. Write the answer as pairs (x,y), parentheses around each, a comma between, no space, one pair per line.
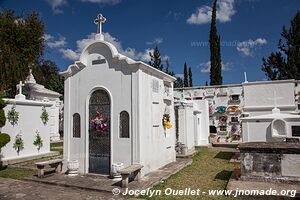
(127,171)
(56,163)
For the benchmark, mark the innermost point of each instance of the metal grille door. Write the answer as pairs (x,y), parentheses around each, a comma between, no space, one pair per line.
(99,141)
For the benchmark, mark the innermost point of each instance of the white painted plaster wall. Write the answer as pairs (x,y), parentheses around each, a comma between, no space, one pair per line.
(29,121)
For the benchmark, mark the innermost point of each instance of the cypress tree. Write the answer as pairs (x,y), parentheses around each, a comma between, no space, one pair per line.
(190,77)
(167,66)
(215,50)
(186,76)
(156,59)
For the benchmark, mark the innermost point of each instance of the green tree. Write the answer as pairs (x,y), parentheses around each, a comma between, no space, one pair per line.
(178,83)
(285,63)
(21,43)
(156,59)
(167,66)
(190,77)
(215,50)
(47,74)
(185,76)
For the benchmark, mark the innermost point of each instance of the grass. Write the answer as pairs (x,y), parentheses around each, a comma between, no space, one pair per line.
(57,147)
(16,173)
(209,171)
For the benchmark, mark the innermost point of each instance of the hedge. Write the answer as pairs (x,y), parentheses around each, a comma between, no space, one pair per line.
(4,139)
(2,118)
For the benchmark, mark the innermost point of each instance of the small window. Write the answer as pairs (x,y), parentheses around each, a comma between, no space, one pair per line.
(76,125)
(223,128)
(296,131)
(235,97)
(234,119)
(124,124)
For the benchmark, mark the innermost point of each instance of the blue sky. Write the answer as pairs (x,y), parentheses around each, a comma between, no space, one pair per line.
(249,29)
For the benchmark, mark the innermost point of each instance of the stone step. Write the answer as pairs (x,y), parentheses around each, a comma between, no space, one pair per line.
(227,145)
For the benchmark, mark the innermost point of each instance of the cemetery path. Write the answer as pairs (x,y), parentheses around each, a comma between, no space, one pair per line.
(17,189)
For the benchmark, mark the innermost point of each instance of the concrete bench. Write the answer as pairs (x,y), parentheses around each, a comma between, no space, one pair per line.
(56,163)
(127,171)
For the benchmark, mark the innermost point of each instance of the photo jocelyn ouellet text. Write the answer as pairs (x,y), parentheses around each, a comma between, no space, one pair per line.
(197,192)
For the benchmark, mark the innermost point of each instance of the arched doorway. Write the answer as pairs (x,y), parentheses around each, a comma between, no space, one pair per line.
(99,138)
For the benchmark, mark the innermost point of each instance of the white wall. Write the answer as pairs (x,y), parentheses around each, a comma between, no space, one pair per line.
(29,121)
(157,145)
(259,96)
(186,126)
(202,131)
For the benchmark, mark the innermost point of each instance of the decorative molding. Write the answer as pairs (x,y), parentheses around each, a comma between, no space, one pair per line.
(28,102)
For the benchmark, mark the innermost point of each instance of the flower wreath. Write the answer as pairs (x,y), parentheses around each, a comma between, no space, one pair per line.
(233,109)
(234,128)
(99,123)
(221,109)
(223,119)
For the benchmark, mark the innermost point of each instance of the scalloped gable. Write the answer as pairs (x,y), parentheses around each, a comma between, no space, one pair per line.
(109,51)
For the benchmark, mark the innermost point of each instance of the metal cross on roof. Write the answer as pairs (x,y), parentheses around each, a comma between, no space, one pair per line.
(99,20)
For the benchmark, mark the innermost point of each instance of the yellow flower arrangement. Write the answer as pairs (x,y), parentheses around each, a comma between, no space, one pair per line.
(166,121)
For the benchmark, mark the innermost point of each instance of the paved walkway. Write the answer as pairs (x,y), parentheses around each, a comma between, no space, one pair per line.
(104,184)
(15,189)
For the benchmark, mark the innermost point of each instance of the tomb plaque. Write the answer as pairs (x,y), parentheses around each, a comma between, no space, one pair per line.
(290,165)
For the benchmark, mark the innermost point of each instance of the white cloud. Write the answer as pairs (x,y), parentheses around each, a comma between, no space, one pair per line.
(56,4)
(55,43)
(69,54)
(205,67)
(129,52)
(225,10)
(112,2)
(247,47)
(156,41)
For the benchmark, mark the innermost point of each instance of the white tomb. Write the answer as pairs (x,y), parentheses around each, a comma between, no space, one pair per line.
(272,127)
(25,128)
(38,92)
(113,111)
(192,115)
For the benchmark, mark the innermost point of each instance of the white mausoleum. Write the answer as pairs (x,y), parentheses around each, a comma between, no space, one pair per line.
(113,111)
(26,127)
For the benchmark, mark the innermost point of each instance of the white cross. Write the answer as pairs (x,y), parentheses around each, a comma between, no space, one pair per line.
(19,86)
(99,20)
(275,99)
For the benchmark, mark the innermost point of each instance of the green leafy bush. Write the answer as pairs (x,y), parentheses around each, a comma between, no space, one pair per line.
(4,139)
(13,115)
(2,103)
(2,118)
(19,143)
(38,142)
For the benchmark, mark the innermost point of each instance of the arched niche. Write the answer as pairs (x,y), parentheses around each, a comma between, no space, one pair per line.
(279,128)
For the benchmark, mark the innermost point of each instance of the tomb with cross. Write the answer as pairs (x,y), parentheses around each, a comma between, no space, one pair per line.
(20,96)
(103,91)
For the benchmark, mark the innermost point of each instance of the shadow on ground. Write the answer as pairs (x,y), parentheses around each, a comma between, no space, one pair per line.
(224,155)
(223,175)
